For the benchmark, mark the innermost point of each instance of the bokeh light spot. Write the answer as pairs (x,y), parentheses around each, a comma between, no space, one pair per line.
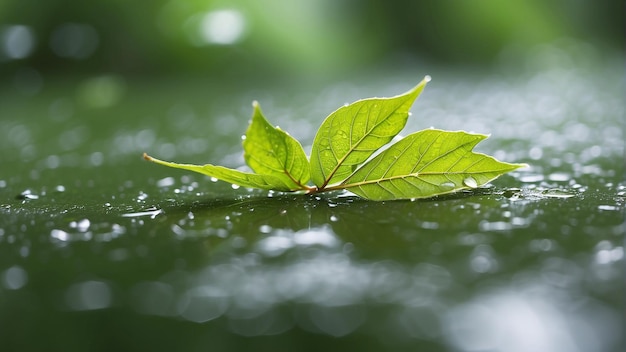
(17,41)
(222,27)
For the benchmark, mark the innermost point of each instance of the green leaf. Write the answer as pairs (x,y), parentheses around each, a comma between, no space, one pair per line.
(351,134)
(244,179)
(270,151)
(425,164)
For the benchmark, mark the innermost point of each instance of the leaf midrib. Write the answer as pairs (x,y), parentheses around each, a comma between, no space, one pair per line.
(418,175)
(353,147)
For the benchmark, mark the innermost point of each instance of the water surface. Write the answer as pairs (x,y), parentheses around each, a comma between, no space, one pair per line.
(98,247)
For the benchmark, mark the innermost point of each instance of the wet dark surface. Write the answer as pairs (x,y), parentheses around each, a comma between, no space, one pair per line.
(100,250)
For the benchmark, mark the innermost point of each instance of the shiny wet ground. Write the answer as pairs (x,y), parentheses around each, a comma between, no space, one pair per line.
(101,250)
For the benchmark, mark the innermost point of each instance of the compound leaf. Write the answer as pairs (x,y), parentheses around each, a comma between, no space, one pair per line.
(268,150)
(236,177)
(425,164)
(352,133)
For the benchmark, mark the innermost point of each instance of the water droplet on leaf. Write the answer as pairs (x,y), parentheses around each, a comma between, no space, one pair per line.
(470,182)
(447,186)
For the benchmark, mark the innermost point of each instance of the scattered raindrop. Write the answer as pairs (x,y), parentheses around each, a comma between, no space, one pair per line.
(83,225)
(608,207)
(606,253)
(431,225)
(557,193)
(319,236)
(495,226)
(59,235)
(17,41)
(265,229)
(341,134)
(234,186)
(27,195)
(450,185)
(152,213)
(334,218)
(274,245)
(14,278)
(531,178)
(165,182)
(559,176)
(470,182)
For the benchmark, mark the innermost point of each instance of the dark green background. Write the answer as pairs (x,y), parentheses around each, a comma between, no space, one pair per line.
(100,250)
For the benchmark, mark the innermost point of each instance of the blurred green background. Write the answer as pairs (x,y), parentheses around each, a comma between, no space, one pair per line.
(283,38)
(100,250)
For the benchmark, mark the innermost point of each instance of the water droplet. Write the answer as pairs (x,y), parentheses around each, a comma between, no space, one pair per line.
(14,278)
(531,178)
(83,225)
(470,182)
(165,182)
(608,207)
(559,176)
(60,188)
(512,192)
(27,195)
(152,213)
(234,186)
(59,235)
(430,225)
(341,134)
(447,186)
(556,193)
(265,229)
(427,78)
(334,218)
(213,179)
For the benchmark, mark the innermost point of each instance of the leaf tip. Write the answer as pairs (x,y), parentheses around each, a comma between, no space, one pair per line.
(255,104)
(147,157)
(427,78)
